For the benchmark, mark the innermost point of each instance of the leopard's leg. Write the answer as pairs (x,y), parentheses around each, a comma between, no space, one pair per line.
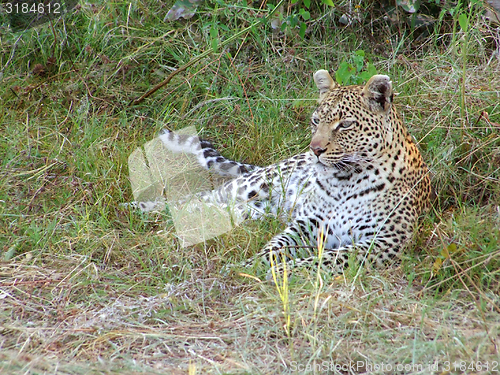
(335,261)
(298,246)
(286,246)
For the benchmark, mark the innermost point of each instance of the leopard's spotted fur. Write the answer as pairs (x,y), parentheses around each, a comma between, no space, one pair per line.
(361,186)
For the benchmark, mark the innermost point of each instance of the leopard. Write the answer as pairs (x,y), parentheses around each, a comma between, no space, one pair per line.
(356,193)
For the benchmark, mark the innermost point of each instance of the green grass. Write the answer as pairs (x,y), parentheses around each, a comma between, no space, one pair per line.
(87,286)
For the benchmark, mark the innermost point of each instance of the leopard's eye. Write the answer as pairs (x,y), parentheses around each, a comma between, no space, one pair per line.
(346,124)
(315,121)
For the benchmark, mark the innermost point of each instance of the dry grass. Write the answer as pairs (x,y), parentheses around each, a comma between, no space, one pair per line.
(61,321)
(89,287)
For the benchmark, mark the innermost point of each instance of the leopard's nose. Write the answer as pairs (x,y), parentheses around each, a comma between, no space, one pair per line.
(317,150)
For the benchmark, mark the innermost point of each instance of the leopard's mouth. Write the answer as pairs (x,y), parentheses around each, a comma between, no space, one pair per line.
(346,163)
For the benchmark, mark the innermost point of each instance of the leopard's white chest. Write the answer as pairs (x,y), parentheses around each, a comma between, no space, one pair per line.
(342,209)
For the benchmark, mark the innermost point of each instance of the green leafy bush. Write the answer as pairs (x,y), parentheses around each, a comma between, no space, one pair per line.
(355,71)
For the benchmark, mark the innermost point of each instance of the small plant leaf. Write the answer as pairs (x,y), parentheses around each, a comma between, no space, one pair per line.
(358,60)
(294,20)
(344,73)
(214,31)
(305,14)
(368,73)
(215,44)
(437,265)
(328,2)
(443,256)
(302,31)
(464,22)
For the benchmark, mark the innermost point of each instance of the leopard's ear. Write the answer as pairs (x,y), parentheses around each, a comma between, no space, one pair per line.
(324,82)
(378,94)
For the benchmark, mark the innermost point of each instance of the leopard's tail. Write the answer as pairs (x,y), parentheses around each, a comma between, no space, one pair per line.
(208,157)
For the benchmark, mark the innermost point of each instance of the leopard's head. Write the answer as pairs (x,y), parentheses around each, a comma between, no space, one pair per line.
(353,124)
